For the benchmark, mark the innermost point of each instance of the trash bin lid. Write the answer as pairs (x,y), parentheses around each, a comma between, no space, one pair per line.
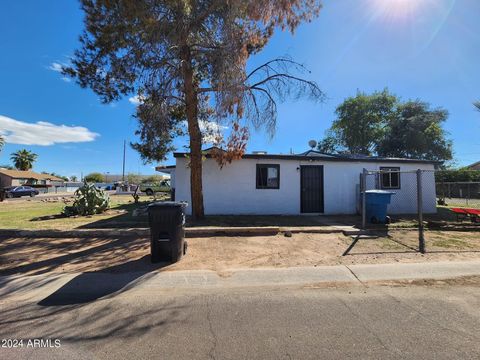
(168,204)
(380,192)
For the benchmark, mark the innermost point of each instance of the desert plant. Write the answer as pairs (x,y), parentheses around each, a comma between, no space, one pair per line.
(89,200)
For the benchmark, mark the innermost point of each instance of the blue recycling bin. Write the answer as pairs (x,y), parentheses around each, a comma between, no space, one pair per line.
(376,205)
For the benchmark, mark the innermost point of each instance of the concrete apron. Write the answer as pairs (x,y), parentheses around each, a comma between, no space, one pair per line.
(74,288)
(207,231)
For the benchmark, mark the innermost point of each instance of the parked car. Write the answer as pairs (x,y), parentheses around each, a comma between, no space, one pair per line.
(18,191)
(150,189)
(109,187)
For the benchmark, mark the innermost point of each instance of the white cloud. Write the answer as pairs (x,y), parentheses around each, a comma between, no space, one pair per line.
(42,133)
(55,66)
(210,130)
(136,100)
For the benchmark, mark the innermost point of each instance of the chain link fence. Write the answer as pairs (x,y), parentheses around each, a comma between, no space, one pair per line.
(458,194)
(405,196)
(419,200)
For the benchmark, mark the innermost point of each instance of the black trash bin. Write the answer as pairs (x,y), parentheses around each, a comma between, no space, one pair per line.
(167,231)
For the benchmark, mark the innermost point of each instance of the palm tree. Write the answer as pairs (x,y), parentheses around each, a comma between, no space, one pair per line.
(477,105)
(2,142)
(23,159)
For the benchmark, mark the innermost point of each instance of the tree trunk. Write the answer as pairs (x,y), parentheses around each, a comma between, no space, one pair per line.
(191,100)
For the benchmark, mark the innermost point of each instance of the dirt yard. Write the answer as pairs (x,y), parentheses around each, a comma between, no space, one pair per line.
(37,256)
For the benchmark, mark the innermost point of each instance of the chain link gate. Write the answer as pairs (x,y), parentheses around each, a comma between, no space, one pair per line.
(414,195)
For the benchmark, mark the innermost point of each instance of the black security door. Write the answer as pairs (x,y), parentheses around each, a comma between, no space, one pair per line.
(311,187)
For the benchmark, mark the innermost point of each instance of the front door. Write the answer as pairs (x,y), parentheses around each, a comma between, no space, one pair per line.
(311,187)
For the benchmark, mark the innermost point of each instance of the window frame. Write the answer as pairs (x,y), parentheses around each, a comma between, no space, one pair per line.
(389,170)
(260,166)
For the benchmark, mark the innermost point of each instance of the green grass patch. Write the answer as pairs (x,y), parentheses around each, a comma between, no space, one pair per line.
(452,244)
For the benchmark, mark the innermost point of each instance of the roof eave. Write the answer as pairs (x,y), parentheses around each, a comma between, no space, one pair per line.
(320,158)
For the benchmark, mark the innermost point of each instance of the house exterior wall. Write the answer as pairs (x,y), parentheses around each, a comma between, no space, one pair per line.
(5,181)
(172,179)
(18,182)
(232,190)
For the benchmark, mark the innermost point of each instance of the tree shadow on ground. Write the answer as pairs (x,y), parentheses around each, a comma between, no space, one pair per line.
(89,321)
(49,217)
(130,216)
(37,256)
(90,286)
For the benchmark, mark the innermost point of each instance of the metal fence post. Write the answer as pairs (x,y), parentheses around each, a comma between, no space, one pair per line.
(468,192)
(363,187)
(421,239)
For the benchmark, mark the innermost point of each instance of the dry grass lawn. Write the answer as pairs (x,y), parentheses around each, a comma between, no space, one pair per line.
(34,214)
(37,256)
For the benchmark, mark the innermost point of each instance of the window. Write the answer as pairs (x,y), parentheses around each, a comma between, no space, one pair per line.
(390,177)
(268,176)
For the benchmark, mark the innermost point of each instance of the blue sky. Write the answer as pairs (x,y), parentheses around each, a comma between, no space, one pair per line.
(426,49)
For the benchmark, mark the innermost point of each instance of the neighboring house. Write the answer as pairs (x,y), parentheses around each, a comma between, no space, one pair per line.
(474,166)
(18,177)
(72,186)
(307,183)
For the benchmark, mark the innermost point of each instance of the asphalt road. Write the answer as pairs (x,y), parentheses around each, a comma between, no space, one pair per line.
(354,322)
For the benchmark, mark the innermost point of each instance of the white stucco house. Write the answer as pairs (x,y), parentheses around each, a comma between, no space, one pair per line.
(307,183)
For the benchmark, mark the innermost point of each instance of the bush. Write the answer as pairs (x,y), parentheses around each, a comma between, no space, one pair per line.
(461,175)
(88,201)
(95,177)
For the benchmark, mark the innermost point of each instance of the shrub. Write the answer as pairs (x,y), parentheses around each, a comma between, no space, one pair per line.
(88,201)
(460,175)
(94,177)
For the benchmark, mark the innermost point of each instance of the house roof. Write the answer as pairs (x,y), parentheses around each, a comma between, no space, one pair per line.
(19,174)
(312,155)
(474,164)
(167,169)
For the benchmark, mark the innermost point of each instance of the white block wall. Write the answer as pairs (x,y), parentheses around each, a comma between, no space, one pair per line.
(232,190)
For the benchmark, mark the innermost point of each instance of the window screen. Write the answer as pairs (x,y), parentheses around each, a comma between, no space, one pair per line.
(390,177)
(268,176)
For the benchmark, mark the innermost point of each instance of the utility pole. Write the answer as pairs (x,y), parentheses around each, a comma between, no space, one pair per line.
(123,167)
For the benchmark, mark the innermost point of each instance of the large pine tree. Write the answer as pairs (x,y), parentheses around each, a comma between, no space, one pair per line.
(181,57)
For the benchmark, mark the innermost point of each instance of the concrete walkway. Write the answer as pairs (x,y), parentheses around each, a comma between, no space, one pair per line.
(92,286)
